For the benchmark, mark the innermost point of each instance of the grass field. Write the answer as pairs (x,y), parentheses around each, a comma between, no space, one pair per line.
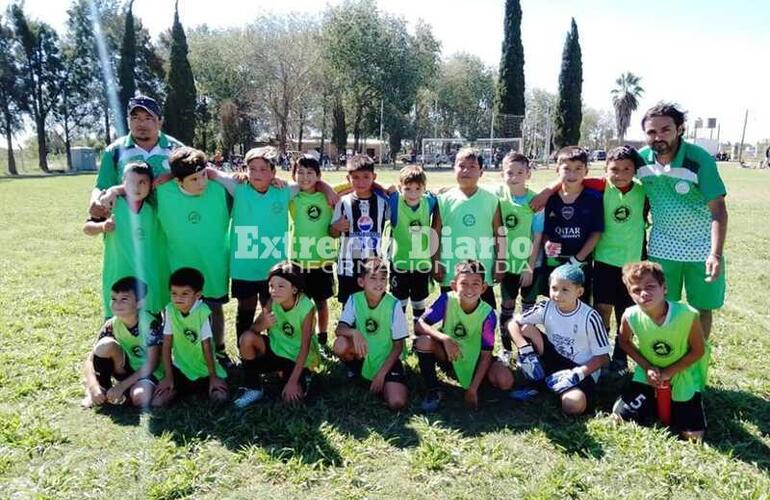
(343,443)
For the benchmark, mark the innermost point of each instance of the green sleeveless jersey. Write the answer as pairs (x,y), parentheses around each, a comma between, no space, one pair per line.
(376,325)
(136,248)
(197,232)
(259,230)
(663,345)
(286,334)
(517,220)
(411,236)
(187,347)
(471,237)
(623,235)
(136,346)
(465,329)
(311,244)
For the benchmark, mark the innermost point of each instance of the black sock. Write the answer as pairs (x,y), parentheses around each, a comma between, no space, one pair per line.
(252,375)
(417,313)
(323,338)
(505,316)
(618,354)
(103,368)
(221,349)
(427,362)
(243,321)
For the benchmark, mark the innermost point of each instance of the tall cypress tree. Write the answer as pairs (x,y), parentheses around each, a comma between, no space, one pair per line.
(126,79)
(179,117)
(569,105)
(510,87)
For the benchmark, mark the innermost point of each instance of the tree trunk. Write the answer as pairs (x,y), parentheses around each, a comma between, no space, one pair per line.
(42,150)
(323,126)
(107,139)
(301,127)
(67,143)
(9,144)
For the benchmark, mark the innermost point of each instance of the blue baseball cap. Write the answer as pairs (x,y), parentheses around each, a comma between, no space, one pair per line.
(143,102)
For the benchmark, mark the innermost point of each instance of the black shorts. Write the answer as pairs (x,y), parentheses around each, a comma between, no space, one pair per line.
(224,299)
(186,387)
(245,289)
(488,296)
(639,405)
(509,287)
(413,285)
(270,362)
(396,373)
(346,286)
(319,282)
(553,362)
(608,286)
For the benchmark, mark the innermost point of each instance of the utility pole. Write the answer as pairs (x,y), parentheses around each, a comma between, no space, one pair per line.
(382,110)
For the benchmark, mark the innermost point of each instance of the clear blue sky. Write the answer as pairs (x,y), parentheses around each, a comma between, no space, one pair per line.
(709,56)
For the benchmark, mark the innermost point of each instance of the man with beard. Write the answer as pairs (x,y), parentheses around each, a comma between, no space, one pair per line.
(689,216)
(144,143)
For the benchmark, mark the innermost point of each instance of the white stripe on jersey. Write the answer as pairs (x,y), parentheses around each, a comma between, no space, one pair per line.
(367,223)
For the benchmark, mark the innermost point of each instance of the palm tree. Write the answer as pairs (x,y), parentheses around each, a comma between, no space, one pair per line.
(625,99)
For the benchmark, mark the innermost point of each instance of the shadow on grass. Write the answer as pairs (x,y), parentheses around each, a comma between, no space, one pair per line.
(728,412)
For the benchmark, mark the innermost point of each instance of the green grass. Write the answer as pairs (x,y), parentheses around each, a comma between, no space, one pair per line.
(343,443)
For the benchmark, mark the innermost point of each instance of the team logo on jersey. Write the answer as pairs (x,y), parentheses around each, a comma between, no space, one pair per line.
(371,325)
(662,348)
(511,221)
(193,217)
(621,214)
(313,212)
(567,212)
(460,331)
(287,329)
(137,351)
(277,207)
(365,223)
(139,233)
(191,335)
(682,187)
(469,220)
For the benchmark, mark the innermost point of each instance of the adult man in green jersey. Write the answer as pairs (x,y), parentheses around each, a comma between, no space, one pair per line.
(689,216)
(145,142)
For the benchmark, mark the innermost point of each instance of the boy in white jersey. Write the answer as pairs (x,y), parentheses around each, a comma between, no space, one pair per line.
(572,347)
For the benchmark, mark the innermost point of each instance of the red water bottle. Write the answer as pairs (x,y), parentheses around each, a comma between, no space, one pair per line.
(663,398)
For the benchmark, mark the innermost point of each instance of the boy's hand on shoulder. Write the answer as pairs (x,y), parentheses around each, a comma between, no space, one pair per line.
(451,348)
(472,399)
(378,383)
(109,225)
(392,189)
(292,392)
(277,182)
(332,198)
(537,203)
(342,225)
(359,344)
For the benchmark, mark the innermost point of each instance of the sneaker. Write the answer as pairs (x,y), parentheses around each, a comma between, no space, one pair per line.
(523,394)
(505,357)
(432,401)
(86,402)
(248,397)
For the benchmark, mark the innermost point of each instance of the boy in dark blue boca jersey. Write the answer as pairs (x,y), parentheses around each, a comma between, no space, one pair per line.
(574,218)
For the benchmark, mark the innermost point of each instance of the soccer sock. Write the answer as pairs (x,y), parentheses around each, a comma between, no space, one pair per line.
(252,375)
(506,314)
(323,338)
(103,368)
(418,309)
(243,321)
(427,362)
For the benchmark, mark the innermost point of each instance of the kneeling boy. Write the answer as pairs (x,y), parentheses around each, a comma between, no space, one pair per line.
(462,345)
(371,335)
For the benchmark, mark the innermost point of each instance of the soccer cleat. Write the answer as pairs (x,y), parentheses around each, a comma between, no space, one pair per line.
(248,397)
(432,401)
(523,394)
(505,357)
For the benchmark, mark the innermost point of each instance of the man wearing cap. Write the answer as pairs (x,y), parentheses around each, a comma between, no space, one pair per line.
(144,142)
(689,216)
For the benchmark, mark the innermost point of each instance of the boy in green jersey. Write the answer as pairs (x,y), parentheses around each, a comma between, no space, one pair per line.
(411,211)
(468,222)
(371,336)
(524,233)
(458,332)
(312,246)
(290,347)
(133,244)
(128,350)
(195,217)
(670,350)
(188,354)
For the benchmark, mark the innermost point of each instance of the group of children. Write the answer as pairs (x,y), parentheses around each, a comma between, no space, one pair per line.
(169,253)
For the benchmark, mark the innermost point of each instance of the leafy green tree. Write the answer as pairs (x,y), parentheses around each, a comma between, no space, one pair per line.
(465,97)
(127,66)
(625,100)
(42,68)
(569,105)
(510,86)
(12,99)
(179,116)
